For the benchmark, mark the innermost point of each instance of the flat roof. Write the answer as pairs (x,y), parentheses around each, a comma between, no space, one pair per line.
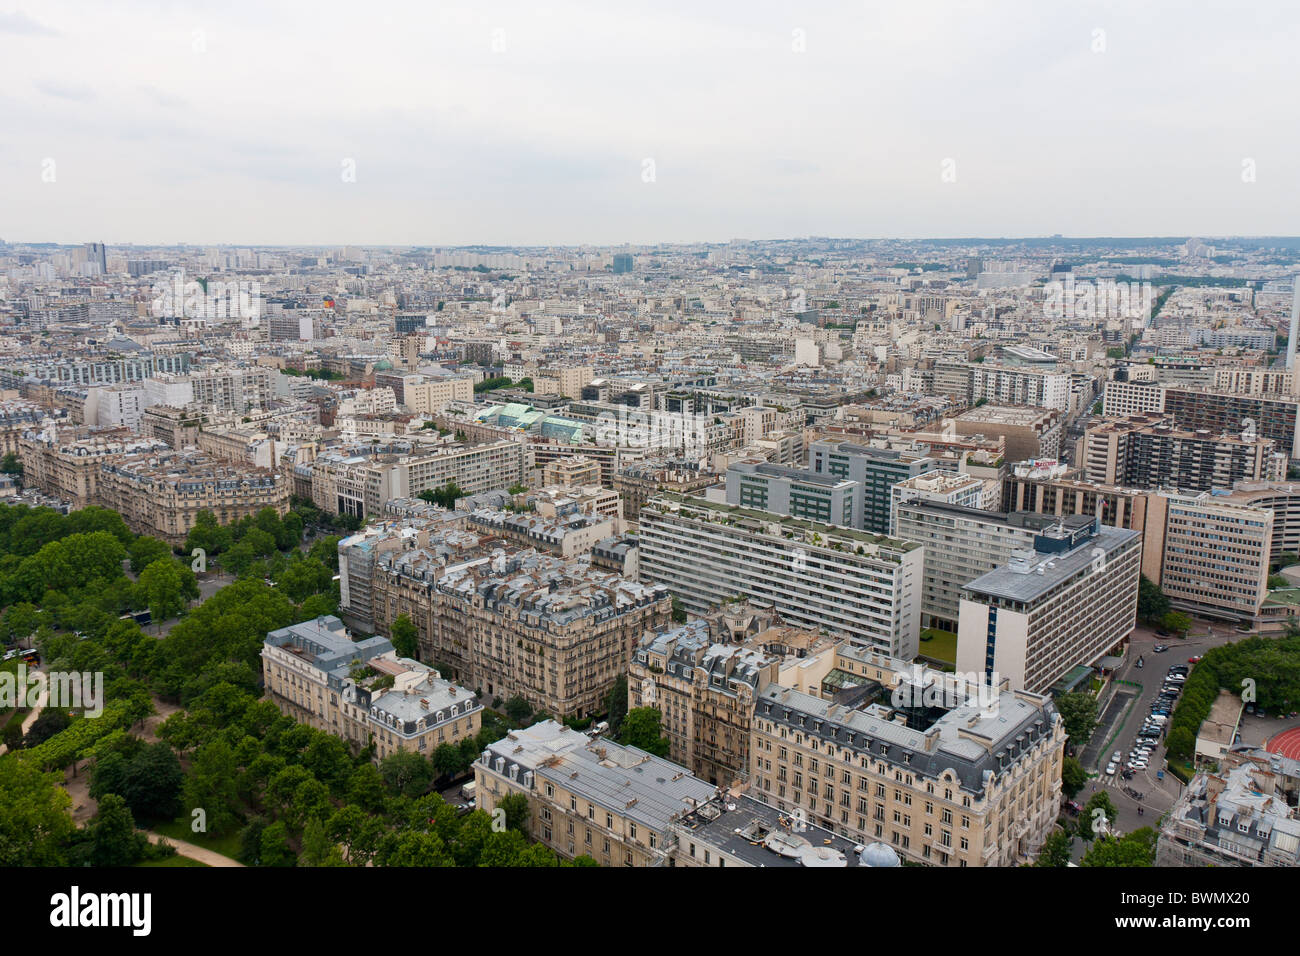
(1012,585)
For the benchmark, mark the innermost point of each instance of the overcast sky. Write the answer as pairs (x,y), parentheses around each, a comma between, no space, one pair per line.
(536,122)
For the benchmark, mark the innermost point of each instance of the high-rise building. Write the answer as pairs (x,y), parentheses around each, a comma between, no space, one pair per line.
(864,586)
(791,491)
(875,470)
(1145,451)
(1065,604)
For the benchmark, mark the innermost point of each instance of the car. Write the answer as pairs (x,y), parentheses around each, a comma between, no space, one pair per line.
(1126,773)
(1160,648)
(1260,713)
(1250,708)
(1110,769)
(1194,660)
(1178,669)
(1161,632)
(1117,757)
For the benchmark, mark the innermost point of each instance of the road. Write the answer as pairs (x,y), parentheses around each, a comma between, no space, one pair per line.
(192,851)
(1158,795)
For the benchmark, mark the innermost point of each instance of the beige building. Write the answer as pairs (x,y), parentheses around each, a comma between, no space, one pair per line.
(590,796)
(1030,431)
(363,692)
(946,774)
(571,471)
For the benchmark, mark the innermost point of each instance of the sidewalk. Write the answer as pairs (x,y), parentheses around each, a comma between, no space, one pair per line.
(192,851)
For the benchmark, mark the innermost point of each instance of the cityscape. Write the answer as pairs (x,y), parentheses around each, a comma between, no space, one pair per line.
(648,553)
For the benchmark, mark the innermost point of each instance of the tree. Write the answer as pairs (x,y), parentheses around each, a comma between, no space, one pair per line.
(208,535)
(616,705)
(1181,744)
(145,550)
(679,612)
(161,588)
(641,729)
(518,709)
(1079,712)
(1100,801)
(518,813)
(405,636)
(448,761)
(34,818)
(1134,849)
(50,722)
(149,780)
(1073,776)
(318,849)
(111,835)
(1177,622)
(1056,850)
(406,772)
(1153,605)
(11,464)
(275,849)
(211,784)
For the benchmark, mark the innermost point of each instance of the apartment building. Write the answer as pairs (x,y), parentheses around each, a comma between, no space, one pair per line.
(1271,416)
(161,492)
(638,482)
(238,388)
(705,692)
(572,471)
(429,395)
(1123,399)
(362,692)
(566,535)
(937,486)
(1030,431)
(69,468)
(1067,603)
(737,830)
(1280,497)
(1212,554)
(1244,814)
(361,485)
(752,483)
(590,796)
(1146,451)
(957,781)
(969,382)
(875,470)
(865,586)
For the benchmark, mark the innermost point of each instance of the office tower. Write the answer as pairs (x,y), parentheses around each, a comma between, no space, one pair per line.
(1063,605)
(876,471)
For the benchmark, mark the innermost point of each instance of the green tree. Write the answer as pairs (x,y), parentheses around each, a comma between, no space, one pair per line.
(11,464)
(1099,801)
(616,705)
(518,709)
(1056,850)
(34,819)
(161,588)
(211,785)
(1073,777)
(406,638)
(518,812)
(111,835)
(641,729)
(1153,605)
(1079,712)
(1134,849)
(406,772)
(275,849)
(318,849)
(1177,622)
(1181,744)
(145,550)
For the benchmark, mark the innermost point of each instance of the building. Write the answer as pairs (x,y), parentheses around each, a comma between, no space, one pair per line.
(736,830)
(875,470)
(572,471)
(1242,815)
(1145,451)
(866,587)
(937,486)
(1030,432)
(590,796)
(1219,732)
(161,492)
(753,483)
(1283,499)
(969,382)
(566,535)
(1066,603)
(944,777)
(69,468)
(1272,416)
(363,692)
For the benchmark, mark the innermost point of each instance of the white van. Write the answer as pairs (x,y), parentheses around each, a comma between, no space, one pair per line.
(468,791)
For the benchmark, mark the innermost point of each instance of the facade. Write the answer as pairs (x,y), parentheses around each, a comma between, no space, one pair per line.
(969,382)
(876,471)
(1145,451)
(864,586)
(363,692)
(1273,416)
(1030,432)
(791,491)
(590,796)
(1068,602)
(938,486)
(572,471)
(160,493)
(963,783)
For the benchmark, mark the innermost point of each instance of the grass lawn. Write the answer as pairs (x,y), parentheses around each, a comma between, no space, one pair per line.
(942,645)
(180,830)
(177,860)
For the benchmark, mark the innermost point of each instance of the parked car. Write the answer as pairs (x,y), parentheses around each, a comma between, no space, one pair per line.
(1110,769)
(1194,660)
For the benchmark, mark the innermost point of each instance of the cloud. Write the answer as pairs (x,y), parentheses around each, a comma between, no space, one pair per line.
(65,91)
(21,24)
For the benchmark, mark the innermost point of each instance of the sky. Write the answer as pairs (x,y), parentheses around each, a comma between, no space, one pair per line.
(564,123)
